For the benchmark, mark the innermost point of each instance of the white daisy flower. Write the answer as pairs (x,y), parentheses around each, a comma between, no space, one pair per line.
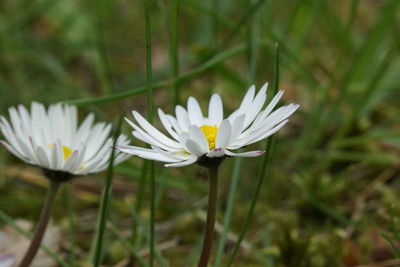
(52,140)
(207,140)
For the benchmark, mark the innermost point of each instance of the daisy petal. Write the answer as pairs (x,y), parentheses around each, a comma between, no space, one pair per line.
(12,150)
(146,153)
(167,124)
(79,163)
(223,134)
(174,156)
(42,157)
(196,134)
(145,137)
(237,127)
(255,107)
(194,148)
(175,124)
(194,111)
(248,98)
(181,164)
(54,157)
(245,154)
(182,117)
(71,161)
(254,139)
(215,110)
(271,105)
(216,152)
(83,130)
(271,132)
(152,131)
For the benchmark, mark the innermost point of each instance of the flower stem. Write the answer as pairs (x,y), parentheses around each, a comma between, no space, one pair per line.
(211,212)
(42,224)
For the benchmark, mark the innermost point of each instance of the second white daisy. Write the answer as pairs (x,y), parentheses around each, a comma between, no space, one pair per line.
(195,138)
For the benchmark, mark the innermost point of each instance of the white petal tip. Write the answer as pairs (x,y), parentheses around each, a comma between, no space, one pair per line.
(127,119)
(264,87)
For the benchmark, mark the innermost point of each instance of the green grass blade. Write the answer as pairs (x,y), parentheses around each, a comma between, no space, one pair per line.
(174,54)
(252,9)
(395,249)
(105,199)
(251,45)
(365,57)
(373,86)
(150,115)
(261,177)
(193,256)
(228,53)
(332,213)
(137,207)
(145,228)
(216,7)
(352,13)
(130,248)
(361,104)
(228,212)
(200,6)
(72,226)
(296,64)
(152,243)
(107,75)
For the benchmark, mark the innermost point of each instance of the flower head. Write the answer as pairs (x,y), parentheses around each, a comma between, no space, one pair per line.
(53,140)
(204,140)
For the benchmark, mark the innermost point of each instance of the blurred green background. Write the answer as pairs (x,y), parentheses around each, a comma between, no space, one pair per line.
(332,184)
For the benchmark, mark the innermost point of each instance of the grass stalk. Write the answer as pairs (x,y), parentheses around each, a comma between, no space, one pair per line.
(72,225)
(252,66)
(150,115)
(174,53)
(144,225)
(105,199)
(228,212)
(252,9)
(101,47)
(228,53)
(127,245)
(136,208)
(139,201)
(394,246)
(261,177)
(215,6)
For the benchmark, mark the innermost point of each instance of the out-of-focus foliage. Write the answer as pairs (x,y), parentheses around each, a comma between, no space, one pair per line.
(332,184)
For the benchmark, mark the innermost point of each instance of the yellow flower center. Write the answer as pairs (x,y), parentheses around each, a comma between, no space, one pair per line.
(67,151)
(210,133)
